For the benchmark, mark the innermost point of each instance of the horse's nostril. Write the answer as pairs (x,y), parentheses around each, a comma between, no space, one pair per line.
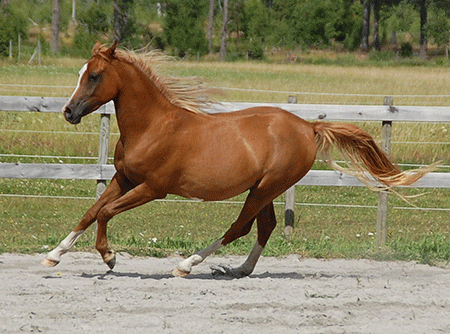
(67,111)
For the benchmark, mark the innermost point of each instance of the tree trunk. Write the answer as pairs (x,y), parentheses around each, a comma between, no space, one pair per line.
(394,38)
(423,29)
(223,43)
(376,24)
(117,21)
(211,24)
(54,39)
(366,25)
(73,10)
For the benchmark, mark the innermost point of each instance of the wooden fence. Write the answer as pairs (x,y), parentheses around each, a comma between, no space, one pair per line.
(385,114)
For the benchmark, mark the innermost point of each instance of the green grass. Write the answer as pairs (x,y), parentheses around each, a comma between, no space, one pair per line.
(162,228)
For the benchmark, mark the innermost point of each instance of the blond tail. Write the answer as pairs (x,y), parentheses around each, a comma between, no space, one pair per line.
(363,155)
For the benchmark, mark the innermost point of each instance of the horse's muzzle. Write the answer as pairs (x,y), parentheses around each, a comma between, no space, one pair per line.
(71,115)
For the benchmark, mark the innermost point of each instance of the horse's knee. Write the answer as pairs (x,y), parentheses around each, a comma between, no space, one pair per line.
(104,215)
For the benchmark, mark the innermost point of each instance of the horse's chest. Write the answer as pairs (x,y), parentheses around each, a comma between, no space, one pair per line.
(140,167)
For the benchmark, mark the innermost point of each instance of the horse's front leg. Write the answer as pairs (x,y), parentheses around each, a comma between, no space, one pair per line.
(139,195)
(116,188)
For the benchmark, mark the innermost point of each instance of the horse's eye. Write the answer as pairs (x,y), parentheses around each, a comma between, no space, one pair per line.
(93,77)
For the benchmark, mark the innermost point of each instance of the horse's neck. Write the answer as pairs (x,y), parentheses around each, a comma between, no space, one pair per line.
(139,104)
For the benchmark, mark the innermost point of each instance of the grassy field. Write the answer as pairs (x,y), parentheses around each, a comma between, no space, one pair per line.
(161,228)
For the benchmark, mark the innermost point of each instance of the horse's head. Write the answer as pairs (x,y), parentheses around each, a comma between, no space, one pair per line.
(97,84)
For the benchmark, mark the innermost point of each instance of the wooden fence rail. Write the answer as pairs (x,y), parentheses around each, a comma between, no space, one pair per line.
(385,114)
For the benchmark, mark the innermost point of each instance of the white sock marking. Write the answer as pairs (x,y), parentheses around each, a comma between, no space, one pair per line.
(64,246)
(197,258)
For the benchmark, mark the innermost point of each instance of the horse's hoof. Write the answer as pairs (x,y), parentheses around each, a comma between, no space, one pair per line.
(111,263)
(227,271)
(219,270)
(110,259)
(49,263)
(179,273)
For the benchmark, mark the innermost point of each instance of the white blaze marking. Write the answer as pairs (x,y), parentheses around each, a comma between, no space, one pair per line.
(80,75)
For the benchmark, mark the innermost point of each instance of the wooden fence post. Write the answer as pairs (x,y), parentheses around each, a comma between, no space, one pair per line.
(386,135)
(103,147)
(289,199)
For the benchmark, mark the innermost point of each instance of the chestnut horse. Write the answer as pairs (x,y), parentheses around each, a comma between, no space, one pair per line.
(168,145)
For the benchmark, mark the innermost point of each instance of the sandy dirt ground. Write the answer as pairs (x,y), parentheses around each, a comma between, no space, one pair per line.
(283,295)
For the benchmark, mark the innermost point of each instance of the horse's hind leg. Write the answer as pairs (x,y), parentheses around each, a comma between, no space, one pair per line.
(266,222)
(242,226)
(184,267)
(239,228)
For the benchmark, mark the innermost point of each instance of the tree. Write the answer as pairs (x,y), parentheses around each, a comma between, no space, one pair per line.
(438,25)
(422,7)
(54,39)
(366,25)
(124,24)
(377,5)
(223,40)
(95,19)
(184,26)
(423,28)
(355,21)
(12,24)
(210,24)
(320,22)
(376,24)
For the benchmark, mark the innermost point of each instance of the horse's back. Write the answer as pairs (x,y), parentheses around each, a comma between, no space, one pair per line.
(279,138)
(270,122)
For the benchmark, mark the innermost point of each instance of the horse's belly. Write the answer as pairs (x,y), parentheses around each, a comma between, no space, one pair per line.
(217,186)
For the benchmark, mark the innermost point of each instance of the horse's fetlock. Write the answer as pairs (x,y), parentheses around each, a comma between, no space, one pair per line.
(109,255)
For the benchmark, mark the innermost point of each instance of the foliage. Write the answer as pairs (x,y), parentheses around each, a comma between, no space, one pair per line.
(254,26)
(39,12)
(95,19)
(125,26)
(257,20)
(183,26)
(402,17)
(83,42)
(354,31)
(438,27)
(314,23)
(12,24)
(406,50)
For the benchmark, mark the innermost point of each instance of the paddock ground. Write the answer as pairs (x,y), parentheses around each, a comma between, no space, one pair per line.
(283,295)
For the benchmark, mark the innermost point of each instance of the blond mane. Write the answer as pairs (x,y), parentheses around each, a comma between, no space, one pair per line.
(187,93)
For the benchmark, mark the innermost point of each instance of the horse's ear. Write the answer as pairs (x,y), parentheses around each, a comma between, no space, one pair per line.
(96,47)
(111,50)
